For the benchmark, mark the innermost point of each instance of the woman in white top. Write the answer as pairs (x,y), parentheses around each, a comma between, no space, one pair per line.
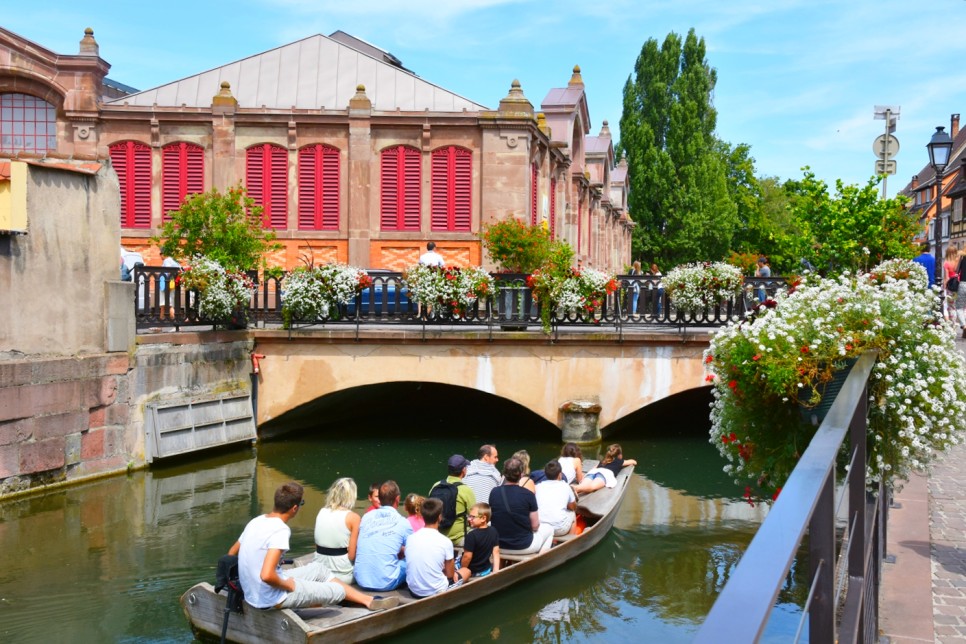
(337,529)
(571,465)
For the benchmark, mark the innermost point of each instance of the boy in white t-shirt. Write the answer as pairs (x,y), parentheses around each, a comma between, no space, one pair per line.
(556,501)
(429,555)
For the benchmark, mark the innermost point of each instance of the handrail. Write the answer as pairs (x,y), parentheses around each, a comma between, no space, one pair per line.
(741,611)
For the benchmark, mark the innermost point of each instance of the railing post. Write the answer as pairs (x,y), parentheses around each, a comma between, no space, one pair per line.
(858,500)
(821,558)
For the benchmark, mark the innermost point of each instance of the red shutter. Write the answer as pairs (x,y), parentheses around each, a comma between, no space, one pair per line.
(452,175)
(182,174)
(266,175)
(132,163)
(319,188)
(553,209)
(401,177)
(533,194)
(462,189)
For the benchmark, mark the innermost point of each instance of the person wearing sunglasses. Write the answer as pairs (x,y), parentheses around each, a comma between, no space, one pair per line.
(260,549)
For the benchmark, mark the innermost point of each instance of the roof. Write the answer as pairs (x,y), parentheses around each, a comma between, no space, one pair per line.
(618,174)
(928,176)
(312,73)
(563,97)
(81,167)
(596,145)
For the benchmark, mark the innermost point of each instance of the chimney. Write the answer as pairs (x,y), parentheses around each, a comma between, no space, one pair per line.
(953,125)
(915,181)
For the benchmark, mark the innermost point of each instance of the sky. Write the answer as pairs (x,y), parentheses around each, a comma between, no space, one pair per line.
(797,80)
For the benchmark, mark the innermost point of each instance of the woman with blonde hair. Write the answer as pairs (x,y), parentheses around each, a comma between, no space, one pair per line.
(605,474)
(525,480)
(337,529)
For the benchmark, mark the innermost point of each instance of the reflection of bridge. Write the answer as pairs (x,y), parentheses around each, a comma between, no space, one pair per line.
(524,368)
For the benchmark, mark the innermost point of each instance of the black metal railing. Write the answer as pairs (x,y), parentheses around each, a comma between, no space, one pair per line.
(842,604)
(162,301)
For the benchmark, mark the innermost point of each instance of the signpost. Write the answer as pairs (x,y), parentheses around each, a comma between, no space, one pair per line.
(885,145)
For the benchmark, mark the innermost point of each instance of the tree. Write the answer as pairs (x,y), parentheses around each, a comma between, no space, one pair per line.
(678,187)
(225,227)
(853,229)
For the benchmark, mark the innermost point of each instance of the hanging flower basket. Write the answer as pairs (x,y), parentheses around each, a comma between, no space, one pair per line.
(696,287)
(317,292)
(223,295)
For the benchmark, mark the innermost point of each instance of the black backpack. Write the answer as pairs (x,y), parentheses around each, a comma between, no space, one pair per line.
(447,492)
(226,576)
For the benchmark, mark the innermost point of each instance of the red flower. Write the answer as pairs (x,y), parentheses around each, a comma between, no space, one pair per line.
(774,497)
(707,359)
(733,384)
(709,377)
(756,357)
(804,349)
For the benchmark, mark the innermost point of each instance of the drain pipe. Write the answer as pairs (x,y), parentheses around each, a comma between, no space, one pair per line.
(254,376)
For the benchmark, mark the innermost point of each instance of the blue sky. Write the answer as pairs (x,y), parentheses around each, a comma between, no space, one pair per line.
(797,80)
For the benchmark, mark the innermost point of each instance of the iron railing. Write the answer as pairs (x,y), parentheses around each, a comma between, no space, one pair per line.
(161,301)
(842,604)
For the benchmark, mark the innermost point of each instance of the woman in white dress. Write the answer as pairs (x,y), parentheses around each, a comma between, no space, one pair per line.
(337,529)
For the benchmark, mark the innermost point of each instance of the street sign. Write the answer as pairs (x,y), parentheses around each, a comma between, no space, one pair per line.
(885,167)
(885,147)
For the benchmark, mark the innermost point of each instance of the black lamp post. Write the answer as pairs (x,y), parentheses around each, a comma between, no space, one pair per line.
(940,146)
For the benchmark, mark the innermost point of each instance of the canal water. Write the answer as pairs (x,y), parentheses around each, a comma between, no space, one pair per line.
(107,561)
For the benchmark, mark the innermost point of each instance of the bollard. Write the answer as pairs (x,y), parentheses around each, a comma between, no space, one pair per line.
(580,422)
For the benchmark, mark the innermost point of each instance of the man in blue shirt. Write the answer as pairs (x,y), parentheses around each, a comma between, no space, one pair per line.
(380,563)
(928,262)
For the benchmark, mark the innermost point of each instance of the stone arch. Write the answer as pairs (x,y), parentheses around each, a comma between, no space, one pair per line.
(27,82)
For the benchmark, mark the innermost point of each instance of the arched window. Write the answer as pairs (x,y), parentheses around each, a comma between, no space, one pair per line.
(319,187)
(182,174)
(401,176)
(533,194)
(266,177)
(27,124)
(132,163)
(452,188)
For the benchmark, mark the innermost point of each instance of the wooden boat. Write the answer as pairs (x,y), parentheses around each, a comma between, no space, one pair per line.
(353,623)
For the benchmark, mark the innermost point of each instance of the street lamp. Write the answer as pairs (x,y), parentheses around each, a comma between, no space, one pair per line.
(940,146)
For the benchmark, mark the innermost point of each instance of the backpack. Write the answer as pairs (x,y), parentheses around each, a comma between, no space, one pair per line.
(447,493)
(226,576)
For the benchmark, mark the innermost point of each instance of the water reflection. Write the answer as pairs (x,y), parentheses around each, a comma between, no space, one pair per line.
(107,561)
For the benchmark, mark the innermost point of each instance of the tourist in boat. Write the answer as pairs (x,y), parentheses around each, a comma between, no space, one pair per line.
(482,475)
(373,497)
(380,556)
(571,463)
(556,501)
(429,555)
(260,549)
(337,529)
(457,496)
(515,514)
(413,503)
(481,552)
(525,481)
(605,474)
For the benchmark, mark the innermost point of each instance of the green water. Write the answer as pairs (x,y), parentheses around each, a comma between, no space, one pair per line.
(108,561)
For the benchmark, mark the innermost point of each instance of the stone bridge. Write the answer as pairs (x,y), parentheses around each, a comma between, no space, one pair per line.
(577,373)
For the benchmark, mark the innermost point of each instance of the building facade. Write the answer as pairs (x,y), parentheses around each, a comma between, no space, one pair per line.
(352,157)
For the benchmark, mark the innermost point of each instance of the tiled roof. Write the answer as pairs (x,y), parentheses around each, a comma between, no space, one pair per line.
(311,73)
(927,175)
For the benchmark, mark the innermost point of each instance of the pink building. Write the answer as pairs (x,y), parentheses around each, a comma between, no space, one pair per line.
(353,157)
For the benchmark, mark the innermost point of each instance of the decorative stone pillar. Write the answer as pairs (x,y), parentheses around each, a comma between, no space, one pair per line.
(223,107)
(361,218)
(580,422)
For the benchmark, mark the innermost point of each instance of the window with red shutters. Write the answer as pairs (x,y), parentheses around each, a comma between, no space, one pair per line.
(452,189)
(533,194)
(401,178)
(553,209)
(182,174)
(266,177)
(132,163)
(319,187)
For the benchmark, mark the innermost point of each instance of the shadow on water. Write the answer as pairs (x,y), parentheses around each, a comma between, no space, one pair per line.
(108,560)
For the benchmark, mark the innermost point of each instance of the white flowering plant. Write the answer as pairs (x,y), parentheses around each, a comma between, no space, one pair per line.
(221,292)
(559,292)
(765,368)
(312,292)
(454,289)
(695,287)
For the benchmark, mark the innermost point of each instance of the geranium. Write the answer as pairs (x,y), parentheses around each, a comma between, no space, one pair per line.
(220,292)
(571,291)
(695,287)
(764,368)
(455,289)
(312,292)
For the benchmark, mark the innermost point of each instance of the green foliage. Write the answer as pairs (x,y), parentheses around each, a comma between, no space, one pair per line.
(225,227)
(679,193)
(852,229)
(516,246)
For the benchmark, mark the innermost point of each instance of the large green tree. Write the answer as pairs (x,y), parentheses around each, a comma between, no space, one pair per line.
(677,176)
